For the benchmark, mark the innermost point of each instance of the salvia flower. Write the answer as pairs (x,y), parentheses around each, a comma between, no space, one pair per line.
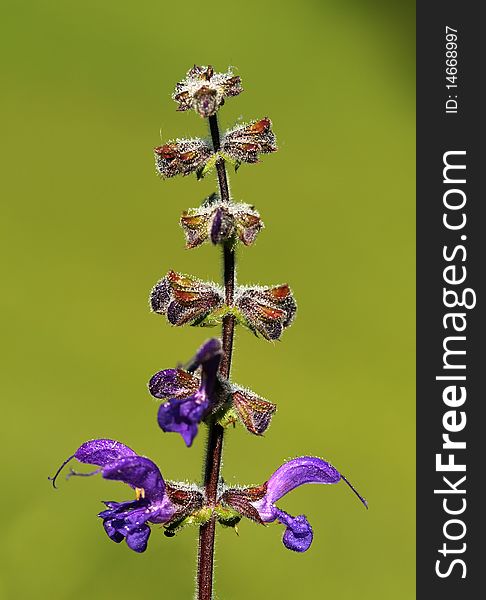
(205,91)
(189,398)
(261,500)
(245,142)
(182,157)
(218,221)
(185,299)
(129,520)
(266,310)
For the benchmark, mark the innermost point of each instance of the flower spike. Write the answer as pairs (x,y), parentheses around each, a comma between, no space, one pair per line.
(201,390)
(205,91)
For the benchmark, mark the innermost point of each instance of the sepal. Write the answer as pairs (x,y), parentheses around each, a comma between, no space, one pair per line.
(227,516)
(185,299)
(266,310)
(245,143)
(182,157)
(219,222)
(240,500)
(205,91)
(254,412)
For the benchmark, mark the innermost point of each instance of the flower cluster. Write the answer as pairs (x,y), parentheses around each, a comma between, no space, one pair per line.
(173,504)
(201,392)
(244,143)
(220,222)
(205,91)
(185,299)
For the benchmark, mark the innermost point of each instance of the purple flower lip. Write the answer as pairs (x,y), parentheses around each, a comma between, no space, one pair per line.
(189,398)
(298,534)
(127,520)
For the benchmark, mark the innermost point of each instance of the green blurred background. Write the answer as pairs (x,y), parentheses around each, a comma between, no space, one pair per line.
(87,228)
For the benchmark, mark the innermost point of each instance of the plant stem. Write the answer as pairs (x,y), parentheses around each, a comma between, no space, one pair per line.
(214,449)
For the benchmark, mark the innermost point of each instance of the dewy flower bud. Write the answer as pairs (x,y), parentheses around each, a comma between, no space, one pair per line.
(182,157)
(267,310)
(219,222)
(254,412)
(205,91)
(245,142)
(185,299)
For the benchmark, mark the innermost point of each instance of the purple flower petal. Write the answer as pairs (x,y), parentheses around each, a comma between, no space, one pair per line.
(139,472)
(137,539)
(292,474)
(129,524)
(119,508)
(208,352)
(296,472)
(209,356)
(183,416)
(99,452)
(298,533)
(102,452)
(112,532)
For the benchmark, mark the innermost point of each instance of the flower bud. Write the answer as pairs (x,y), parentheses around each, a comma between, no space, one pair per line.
(254,412)
(219,222)
(185,299)
(245,142)
(266,310)
(182,157)
(205,91)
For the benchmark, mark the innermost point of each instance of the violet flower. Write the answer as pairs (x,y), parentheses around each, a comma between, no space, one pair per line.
(127,520)
(298,533)
(189,398)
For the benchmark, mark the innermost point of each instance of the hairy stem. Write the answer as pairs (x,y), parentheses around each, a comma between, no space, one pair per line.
(214,449)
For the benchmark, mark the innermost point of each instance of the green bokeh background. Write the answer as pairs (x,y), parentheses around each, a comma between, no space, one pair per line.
(87,228)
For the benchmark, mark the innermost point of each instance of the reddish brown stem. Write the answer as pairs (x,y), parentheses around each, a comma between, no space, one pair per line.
(214,449)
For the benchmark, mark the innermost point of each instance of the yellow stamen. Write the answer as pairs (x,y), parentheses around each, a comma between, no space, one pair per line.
(139,493)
